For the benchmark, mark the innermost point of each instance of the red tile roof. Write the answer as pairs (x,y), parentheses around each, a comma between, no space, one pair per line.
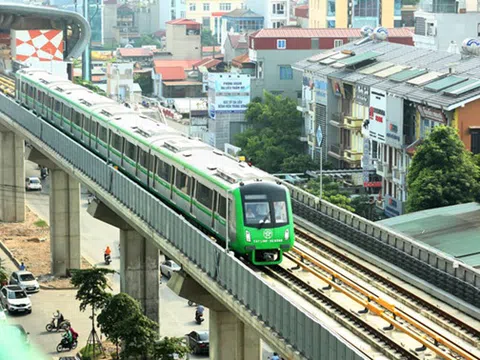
(293,32)
(135,52)
(171,72)
(236,43)
(184,64)
(160,33)
(219,13)
(183,22)
(239,60)
(302,11)
(208,63)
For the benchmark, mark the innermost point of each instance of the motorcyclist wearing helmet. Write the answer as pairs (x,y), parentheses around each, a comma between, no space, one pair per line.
(107,253)
(60,319)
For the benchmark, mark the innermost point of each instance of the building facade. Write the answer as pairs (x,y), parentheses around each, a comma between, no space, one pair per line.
(234,46)
(376,104)
(184,40)
(239,21)
(354,14)
(275,12)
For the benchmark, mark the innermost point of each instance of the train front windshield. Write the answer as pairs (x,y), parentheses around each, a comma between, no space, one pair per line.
(265,210)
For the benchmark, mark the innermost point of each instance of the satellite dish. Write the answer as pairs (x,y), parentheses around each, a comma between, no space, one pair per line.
(471,46)
(366,30)
(129,46)
(380,33)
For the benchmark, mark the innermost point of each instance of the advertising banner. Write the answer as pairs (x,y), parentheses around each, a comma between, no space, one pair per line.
(394,131)
(377,126)
(431,114)
(362,95)
(228,93)
(320,85)
(44,45)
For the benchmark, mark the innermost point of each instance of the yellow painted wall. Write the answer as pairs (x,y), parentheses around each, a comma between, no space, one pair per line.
(387,13)
(317,14)
(417,125)
(341,13)
(199,13)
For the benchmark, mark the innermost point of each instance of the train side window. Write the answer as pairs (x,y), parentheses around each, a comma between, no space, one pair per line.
(222,206)
(23,86)
(131,150)
(67,112)
(164,170)
(142,158)
(39,96)
(77,118)
(181,182)
(93,127)
(86,122)
(48,101)
(204,195)
(57,107)
(102,133)
(30,91)
(116,141)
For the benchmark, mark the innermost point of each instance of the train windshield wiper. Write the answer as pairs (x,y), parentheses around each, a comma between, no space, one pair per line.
(261,223)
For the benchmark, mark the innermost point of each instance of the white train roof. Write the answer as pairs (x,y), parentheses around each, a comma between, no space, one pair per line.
(194,152)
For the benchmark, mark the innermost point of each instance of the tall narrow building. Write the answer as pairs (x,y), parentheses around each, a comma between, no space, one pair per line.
(354,13)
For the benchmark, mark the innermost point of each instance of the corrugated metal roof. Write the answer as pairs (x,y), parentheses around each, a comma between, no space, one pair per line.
(291,32)
(185,64)
(390,71)
(463,87)
(376,68)
(171,73)
(426,78)
(407,74)
(135,52)
(444,83)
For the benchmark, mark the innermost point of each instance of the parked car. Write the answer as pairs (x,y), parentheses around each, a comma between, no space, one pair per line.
(25,280)
(199,342)
(15,299)
(33,183)
(168,267)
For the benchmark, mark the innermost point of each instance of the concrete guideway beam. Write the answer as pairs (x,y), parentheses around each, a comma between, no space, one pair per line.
(139,275)
(64,222)
(33,155)
(230,338)
(12,177)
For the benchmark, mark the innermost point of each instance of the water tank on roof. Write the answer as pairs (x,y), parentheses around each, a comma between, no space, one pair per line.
(471,46)
(366,30)
(380,33)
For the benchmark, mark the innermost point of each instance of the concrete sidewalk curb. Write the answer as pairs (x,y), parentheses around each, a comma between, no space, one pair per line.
(9,254)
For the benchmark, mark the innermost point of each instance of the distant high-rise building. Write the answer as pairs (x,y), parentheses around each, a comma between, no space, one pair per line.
(354,14)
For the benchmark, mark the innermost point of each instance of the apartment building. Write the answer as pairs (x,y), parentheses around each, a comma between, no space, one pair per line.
(275,12)
(183,39)
(390,95)
(239,21)
(354,14)
(209,12)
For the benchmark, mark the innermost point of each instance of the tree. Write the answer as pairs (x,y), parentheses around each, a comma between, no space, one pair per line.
(442,172)
(207,38)
(145,40)
(111,319)
(92,290)
(89,85)
(364,207)
(272,140)
(138,336)
(476,161)
(166,348)
(331,192)
(145,82)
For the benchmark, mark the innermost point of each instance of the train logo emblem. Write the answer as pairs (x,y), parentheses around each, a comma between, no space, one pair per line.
(267,234)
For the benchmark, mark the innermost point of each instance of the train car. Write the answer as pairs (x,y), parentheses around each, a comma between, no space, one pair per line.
(239,204)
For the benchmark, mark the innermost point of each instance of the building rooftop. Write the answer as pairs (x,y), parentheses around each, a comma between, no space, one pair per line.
(295,32)
(238,41)
(452,229)
(243,13)
(171,72)
(190,24)
(239,60)
(207,62)
(302,11)
(185,64)
(135,52)
(390,60)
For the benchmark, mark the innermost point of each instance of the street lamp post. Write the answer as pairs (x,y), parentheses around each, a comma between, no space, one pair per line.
(319,136)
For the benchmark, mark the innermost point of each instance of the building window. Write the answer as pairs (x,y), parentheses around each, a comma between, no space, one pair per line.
(337,43)
(277,24)
(475,142)
(331,23)
(206,6)
(278,9)
(206,22)
(192,7)
(315,43)
(331,8)
(225,6)
(286,72)
(281,44)
(182,15)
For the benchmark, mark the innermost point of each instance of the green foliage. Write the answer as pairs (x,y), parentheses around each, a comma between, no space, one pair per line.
(3,273)
(145,82)
(40,223)
(138,336)
(89,85)
(442,172)
(331,192)
(87,352)
(272,141)
(147,40)
(77,63)
(207,38)
(364,207)
(112,318)
(92,287)
(167,347)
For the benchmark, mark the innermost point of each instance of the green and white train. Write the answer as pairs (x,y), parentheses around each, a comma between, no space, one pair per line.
(189,175)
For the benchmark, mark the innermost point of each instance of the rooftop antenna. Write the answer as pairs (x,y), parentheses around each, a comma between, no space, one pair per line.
(453,47)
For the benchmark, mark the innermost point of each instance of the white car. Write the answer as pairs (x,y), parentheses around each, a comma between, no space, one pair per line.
(15,299)
(168,267)
(25,280)
(33,183)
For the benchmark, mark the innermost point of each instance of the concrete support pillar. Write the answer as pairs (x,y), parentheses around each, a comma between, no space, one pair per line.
(64,222)
(139,275)
(231,339)
(12,177)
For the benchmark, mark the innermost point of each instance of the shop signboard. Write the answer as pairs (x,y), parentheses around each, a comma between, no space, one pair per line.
(377,124)
(394,130)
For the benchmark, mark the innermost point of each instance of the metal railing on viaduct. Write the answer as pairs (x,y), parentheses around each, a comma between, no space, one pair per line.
(278,320)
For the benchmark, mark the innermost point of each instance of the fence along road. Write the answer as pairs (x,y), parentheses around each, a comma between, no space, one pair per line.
(284,326)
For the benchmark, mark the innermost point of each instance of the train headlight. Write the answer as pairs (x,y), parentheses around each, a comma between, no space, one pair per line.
(287,234)
(248,237)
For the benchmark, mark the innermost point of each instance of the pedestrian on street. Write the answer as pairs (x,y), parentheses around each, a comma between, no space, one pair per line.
(22,266)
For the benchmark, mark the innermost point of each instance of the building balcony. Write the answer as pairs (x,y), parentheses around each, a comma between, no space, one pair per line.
(398,176)
(353,122)
(380,168)
(337,151)
(311,139)
(337,120)
(387,171)
(352,156)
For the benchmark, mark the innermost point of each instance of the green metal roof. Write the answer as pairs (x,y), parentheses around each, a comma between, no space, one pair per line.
(455,230)
(407,74)
(444,83)
(359,58)
(463,87)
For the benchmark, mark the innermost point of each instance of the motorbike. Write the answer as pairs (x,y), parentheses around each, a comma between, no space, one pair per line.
(51,326)
(65,345)
(199,318)
(43,173)
(108,259)
(191,303)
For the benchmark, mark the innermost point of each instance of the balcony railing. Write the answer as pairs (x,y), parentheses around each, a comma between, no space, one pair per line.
(311,138)
(387,171)
(338,119)
(352,156)
(398,175)
(352,122)
(380,167)
(336,150)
